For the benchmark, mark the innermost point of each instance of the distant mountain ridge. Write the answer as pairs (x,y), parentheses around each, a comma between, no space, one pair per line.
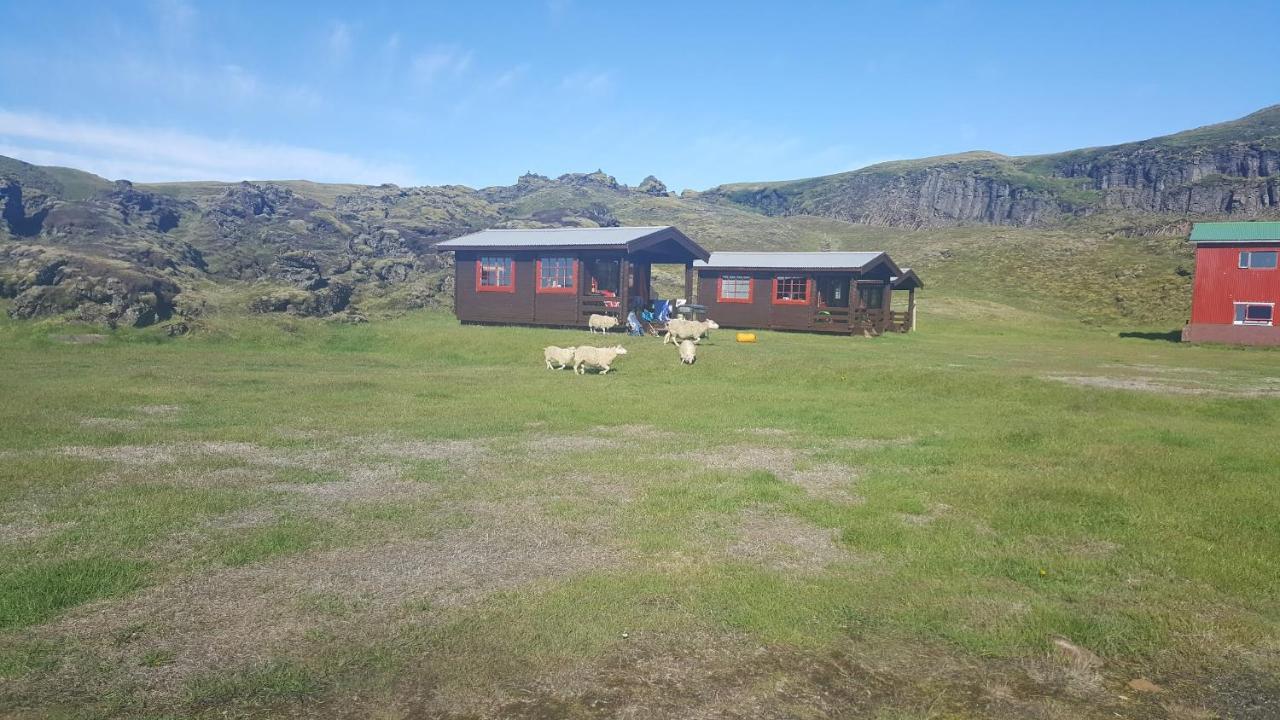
(1228,169)
(76,245)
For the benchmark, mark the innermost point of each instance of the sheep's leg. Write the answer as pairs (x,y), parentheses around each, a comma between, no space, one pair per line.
(604,370)
(549,365)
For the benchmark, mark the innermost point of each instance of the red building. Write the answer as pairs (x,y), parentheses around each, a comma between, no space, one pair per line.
(1237,283)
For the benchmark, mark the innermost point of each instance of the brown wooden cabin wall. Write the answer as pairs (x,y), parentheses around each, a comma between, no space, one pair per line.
(761,312)
(524,306)
(736,315)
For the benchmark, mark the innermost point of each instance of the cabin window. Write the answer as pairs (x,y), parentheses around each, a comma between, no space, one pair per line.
(734,289)
(495,274)
(557,275)
(871,296)
(1254,313)
(790,290)
(1258,260)
(603,277)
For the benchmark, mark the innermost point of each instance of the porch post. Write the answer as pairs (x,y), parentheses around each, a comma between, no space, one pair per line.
(624,288)
(911,309)
(688,283)
(886,299)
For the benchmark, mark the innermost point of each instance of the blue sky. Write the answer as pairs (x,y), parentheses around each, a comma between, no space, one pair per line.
(695,93)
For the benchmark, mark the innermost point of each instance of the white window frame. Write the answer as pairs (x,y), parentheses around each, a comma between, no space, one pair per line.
(1246,259)
(1246,321)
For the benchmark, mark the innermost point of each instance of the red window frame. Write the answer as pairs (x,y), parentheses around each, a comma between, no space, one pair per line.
(808,290)
(751,286)
(510,285)
(569,289)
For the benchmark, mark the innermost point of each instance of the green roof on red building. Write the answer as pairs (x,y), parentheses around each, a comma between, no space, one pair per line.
(1233,232)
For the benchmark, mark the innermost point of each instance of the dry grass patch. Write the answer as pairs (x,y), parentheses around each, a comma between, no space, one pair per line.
(782,542)
(1146,383)
(245,616)
(106,423)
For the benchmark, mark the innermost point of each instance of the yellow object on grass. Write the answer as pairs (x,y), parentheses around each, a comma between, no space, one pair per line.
(746,337)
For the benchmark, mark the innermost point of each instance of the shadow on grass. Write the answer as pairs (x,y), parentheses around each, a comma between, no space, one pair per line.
(1171,336)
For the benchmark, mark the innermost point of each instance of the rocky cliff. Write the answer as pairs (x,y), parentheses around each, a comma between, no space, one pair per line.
(1226,170)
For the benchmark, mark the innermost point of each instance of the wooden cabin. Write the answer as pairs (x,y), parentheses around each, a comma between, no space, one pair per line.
(561,276)
(837,292)
(1237,283)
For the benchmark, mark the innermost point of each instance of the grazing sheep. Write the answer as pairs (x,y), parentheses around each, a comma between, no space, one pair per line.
(558,357)
(688,352)
(680,329)
(586,356)
(603,323)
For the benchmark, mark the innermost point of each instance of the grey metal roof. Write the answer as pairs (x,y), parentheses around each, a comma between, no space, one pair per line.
(552,237)
(907,277)
(788,260)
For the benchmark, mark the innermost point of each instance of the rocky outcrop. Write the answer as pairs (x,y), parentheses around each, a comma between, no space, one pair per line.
(597,179)
(319,303)
(45,283)
(653,186)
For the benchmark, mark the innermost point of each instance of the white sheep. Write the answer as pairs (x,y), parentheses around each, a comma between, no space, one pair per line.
(688,352)
(585,356)
(680,329)
(558,357)
(603,323)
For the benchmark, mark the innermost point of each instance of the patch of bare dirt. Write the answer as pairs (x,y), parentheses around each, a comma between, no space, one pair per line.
(825,481)
(780,461)
(769,432)
(929,516)
(782,542)
(235,617)
(82,339)
(708,675)
(106,423)
(1157,385)
(828,481)
(868,443)
(158,411)
(459,451)
(553,446)
(26,530)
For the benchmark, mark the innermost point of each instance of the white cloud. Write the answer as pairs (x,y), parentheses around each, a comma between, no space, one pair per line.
(441,62)
(588,82)
(510,77)
(174,16)
(151,154)
(339,42)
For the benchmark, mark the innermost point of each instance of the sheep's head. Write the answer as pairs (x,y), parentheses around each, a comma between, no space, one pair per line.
(620,350)
(712,325)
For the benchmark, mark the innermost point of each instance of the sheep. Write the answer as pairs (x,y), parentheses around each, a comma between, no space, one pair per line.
(558,356)
(680,329)
(688,352)
(584,356)
(603,323)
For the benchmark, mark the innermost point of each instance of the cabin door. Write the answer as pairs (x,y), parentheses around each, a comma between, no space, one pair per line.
(833,303)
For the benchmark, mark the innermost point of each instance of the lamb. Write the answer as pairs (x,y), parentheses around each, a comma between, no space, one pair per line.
(603,323)
(680,329)
(688,352)
(558,356)
(586,356)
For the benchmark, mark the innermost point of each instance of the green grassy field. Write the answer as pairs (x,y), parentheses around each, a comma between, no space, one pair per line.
(282,517)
